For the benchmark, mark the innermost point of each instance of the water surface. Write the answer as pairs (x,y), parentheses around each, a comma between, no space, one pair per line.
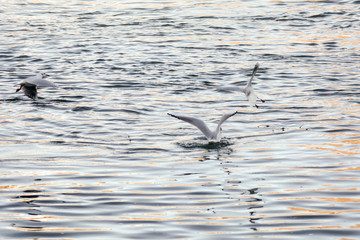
(100,158)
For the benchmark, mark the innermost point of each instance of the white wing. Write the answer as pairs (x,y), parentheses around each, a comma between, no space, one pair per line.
(41,82)
(197,123)
(256,67)
(226,117)
(249,91)
(222,120)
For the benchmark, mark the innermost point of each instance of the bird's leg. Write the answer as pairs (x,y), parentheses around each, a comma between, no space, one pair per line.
(261,99)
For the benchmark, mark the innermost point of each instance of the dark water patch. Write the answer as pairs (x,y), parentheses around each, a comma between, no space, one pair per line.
(292,19)
(321,15)
(28,196)
(332,79)
(341,130)
(321,90)
(116,68)
(188,174)
(333,92)
(35,119)
(37,60)
(272,56)
(72,96)
(63,99)
(222,28)
(263,18)
(145,149)
(326,14)
(205,144)
(24,56)
(103,25)
(82,109)
(2,55)
(302,56)
(127,84)
(58,142)
(306,44)
(15,99)
(152,62)
(90,13)
(330,45)
(202,17)
(132,111)
(195,48)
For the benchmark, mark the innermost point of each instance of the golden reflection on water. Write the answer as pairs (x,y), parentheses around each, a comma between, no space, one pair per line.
(312,228)
(325,199)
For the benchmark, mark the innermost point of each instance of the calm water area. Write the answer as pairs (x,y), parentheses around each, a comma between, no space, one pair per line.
(99,158)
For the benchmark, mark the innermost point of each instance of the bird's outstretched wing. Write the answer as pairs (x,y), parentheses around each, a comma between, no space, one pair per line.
(223,119)
(30,90)
(256,67)
(249,91)
(196,122)
(226,117)
(41,82)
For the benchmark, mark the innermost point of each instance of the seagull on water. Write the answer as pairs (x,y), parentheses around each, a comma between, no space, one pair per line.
(213,136)
(248,90)
(30,84)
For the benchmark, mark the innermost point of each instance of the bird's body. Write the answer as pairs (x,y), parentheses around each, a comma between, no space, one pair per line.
(214,136)
(29,85)
(248,90)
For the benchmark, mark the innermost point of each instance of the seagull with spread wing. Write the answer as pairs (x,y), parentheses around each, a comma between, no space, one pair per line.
(30,84)
(213,136)
(248,90)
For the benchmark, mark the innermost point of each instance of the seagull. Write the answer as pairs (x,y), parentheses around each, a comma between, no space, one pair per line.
(29,85)
(248,90)
(213,136)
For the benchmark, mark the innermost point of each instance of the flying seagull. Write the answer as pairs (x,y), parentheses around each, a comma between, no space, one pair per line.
(248,90)
(213,136)
(29,85)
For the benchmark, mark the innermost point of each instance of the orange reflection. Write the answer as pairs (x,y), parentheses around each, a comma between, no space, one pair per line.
(343,200)
(316,211)
(314,227)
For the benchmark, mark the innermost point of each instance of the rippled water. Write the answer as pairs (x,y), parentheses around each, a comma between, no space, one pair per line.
(100,158)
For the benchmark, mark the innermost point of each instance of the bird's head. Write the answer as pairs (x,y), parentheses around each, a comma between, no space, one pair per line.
(44,75)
